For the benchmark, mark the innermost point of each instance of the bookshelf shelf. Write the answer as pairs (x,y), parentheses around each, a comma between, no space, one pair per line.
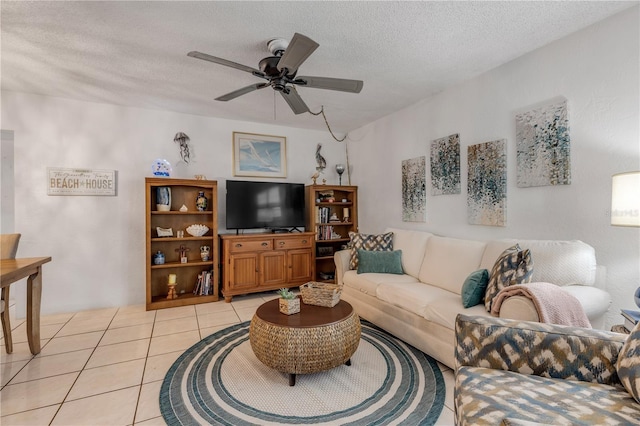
(182,265)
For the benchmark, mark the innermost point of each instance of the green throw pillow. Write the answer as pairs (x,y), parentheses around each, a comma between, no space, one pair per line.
(628,365)
(383,262)
(474,288)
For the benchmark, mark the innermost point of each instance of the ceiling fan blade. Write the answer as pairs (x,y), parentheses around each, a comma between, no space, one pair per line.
(243,91)
(295,102)
(341,84)
(225,62)
(299,49)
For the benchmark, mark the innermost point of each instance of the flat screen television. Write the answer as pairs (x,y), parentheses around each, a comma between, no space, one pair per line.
(270,205)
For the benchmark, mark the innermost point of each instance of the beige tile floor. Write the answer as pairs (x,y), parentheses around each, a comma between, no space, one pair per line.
(106,366)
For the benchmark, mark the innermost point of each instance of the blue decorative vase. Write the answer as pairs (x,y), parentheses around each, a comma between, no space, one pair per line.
(636,296)
(163,198)
(158,258)
(201,202)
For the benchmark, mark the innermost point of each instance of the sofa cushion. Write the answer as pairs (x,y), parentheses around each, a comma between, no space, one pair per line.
(444,309)
(413,297)
(474,287)
(514,266)
(382,242)
(558,262)
(381,262)
(487,396)
(448,261)
(368,283)
(594,301)
(413,245)
(629,363)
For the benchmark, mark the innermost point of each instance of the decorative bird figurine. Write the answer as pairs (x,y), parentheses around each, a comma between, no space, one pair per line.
(322,163)
(315,176)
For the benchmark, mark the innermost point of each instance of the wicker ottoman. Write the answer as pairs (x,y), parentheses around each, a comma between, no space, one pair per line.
(315,339)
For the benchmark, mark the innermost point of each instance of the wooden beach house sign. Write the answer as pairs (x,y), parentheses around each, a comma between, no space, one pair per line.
(63,181)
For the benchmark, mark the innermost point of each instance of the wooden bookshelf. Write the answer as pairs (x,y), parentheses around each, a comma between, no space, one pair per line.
(183,192)
(324,202)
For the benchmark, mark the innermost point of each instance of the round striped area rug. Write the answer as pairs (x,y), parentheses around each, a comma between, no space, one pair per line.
(220,381)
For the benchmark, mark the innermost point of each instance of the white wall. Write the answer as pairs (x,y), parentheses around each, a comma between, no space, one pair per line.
(97,243)
(597,71)
(7,190)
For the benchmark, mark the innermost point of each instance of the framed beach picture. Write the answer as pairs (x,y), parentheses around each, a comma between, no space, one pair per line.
(259,155)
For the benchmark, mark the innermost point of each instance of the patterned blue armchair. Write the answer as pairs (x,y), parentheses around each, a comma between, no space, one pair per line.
(517,373)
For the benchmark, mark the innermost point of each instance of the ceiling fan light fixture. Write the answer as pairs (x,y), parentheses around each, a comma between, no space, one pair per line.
(280,71)
(279,85)
(277,46)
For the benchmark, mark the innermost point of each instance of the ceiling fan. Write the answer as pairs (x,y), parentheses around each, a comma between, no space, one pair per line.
(280,72)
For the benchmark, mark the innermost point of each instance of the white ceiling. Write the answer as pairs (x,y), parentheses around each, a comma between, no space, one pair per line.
(134,52)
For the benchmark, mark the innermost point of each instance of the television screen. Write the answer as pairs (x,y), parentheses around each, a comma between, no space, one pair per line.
(265,205)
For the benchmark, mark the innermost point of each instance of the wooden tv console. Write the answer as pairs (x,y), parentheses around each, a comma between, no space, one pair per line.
(253,263)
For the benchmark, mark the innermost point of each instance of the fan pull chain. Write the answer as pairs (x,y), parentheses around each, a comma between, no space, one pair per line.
(327,123)
(346,145)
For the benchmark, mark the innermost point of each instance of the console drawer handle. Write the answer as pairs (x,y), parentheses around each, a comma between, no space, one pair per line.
(238,245)
(265,244)
(281,243)
(304,241)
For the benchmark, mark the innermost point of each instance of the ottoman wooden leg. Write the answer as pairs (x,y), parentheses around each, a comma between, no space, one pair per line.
(292,379)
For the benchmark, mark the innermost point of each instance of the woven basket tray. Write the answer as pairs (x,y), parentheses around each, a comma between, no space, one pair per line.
(320,294)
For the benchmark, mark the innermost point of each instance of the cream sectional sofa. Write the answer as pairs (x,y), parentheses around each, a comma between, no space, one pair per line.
(420,306)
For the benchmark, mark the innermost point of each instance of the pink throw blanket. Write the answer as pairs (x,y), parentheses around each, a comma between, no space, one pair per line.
(554,305)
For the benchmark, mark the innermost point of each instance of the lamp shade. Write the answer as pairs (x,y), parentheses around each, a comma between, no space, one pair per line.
(625,199)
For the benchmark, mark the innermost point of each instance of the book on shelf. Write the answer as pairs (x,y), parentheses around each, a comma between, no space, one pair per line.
(323,214)
(325,232)
(631,318)
(325,196)
(203,285)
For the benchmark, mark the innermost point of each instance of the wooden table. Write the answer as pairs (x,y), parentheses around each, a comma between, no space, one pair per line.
(315,339)
(13,270)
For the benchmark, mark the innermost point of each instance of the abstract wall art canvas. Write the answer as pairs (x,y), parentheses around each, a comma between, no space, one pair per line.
(487,183)
(414,193)
(445,165)
(543,144)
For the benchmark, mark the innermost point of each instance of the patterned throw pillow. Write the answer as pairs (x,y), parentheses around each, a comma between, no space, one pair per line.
(514,266)
(382,242)
(628,365)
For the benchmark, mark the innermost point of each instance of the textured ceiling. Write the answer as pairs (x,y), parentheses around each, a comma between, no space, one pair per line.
(134,52)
